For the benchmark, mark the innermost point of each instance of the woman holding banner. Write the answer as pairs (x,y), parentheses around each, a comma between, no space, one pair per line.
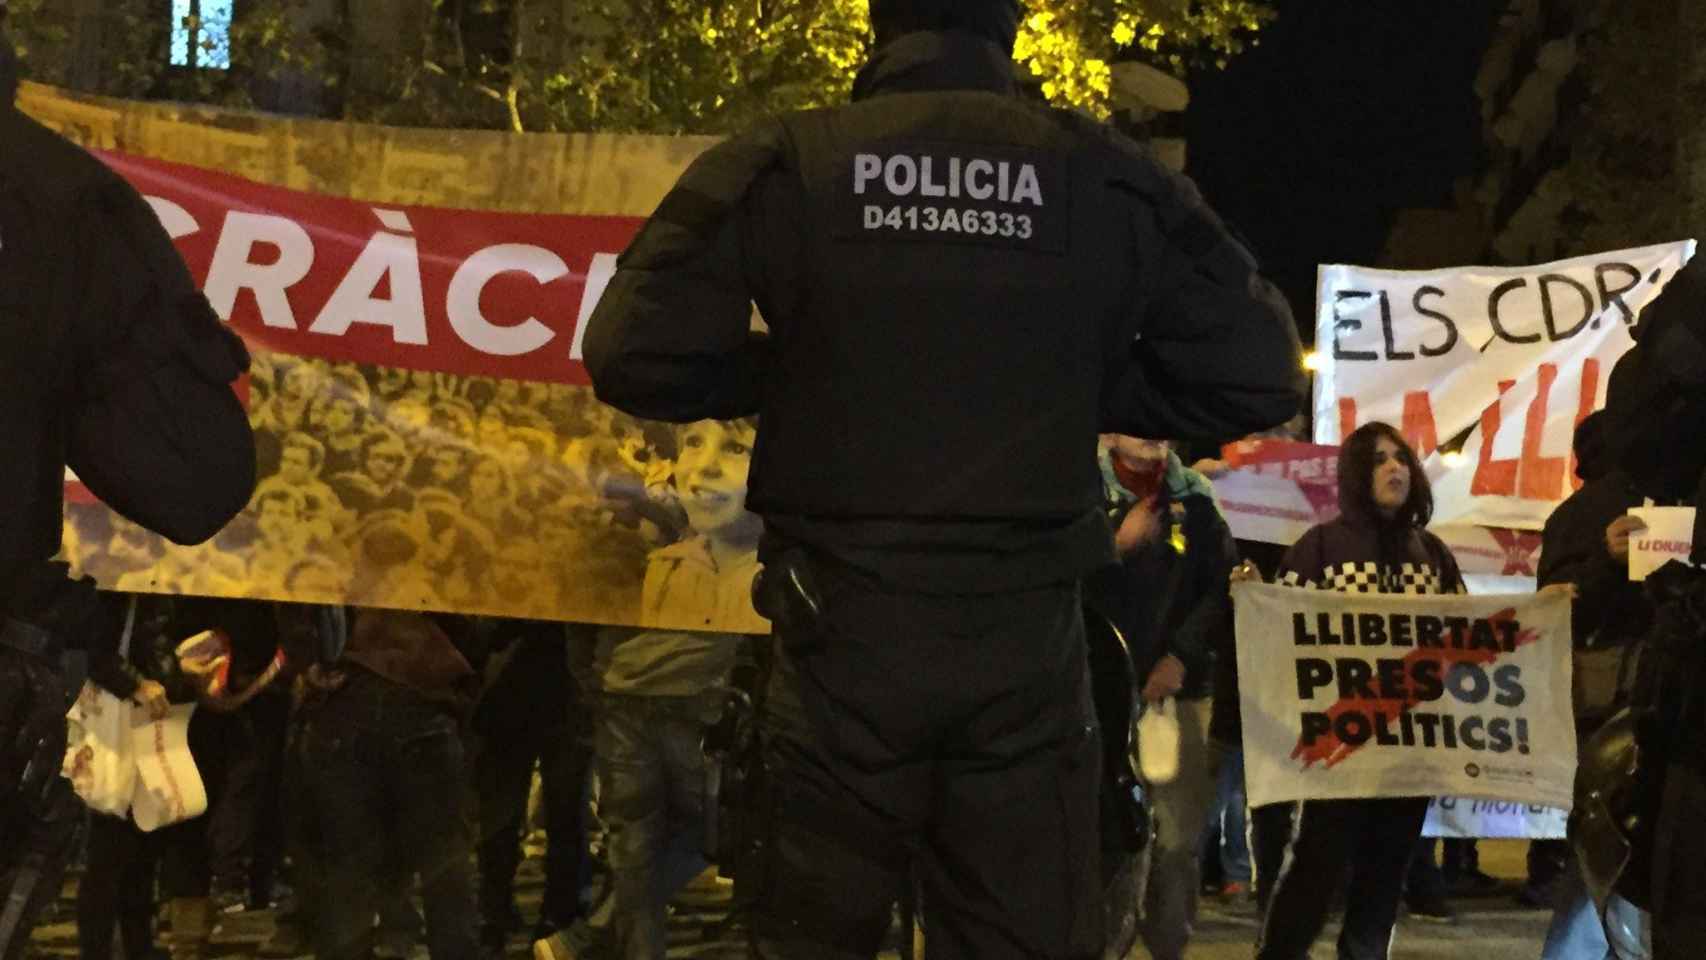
(1377,544)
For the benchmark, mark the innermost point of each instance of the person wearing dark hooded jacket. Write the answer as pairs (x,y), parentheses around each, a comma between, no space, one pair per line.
(1168,597)
(1586,543)
(962,288)
(1378,544)
(114,364)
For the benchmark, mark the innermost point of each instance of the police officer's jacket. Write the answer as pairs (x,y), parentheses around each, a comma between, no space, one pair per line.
(110,361)
(962,288)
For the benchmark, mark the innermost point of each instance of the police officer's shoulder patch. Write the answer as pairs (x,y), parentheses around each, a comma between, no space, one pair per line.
(946,192)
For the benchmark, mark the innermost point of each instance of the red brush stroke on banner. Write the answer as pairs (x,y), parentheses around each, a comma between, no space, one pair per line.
(340,229)
(1332,751)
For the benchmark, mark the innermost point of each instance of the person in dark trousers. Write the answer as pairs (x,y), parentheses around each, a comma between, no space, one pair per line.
(530,714)
(116,892)
(1168,597)
(1378,544)
(206,854)
(962,287)
(1226,722)
(388,780)
(1586,543)
(112,363)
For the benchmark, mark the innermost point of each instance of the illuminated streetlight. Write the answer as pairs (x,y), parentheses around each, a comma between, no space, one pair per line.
(1312,361)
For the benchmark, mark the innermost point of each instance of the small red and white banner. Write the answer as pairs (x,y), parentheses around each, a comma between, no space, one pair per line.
(1275,490)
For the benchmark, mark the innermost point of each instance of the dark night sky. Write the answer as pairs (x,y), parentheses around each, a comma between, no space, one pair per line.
(1348,111)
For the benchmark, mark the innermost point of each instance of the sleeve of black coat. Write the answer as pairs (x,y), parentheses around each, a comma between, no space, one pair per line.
(671,338)
(1210,351)
(157,433)
(108,669)
(1573,550)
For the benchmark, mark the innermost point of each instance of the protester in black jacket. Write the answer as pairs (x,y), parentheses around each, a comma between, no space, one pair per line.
(1586,543)
(962,288)
(1168,597)
(113,363)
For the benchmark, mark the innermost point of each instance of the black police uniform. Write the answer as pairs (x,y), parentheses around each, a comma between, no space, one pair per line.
(962,288)
(113,363)
(1647,812)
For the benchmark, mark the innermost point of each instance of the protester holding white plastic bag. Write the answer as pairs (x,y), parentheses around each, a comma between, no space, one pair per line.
(1168,597)
(117,889)
(184,744)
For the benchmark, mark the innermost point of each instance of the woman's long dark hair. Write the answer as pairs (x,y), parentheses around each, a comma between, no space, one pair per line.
(1356,478)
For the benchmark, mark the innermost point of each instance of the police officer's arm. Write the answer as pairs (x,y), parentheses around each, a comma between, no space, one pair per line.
(1212,351)
(671,338)
(157,432)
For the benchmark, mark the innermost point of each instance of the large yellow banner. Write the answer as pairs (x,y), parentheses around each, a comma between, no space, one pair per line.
(426,437)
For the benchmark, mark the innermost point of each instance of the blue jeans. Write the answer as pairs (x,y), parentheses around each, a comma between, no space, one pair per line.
(1227,817)
(1577,933)
(652,774)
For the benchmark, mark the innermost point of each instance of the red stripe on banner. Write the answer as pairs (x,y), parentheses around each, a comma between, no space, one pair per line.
(1332,751)
(1260,510)
(427,288)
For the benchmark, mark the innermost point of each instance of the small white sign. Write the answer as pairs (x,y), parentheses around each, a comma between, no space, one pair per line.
(1669,536)
(1466,817)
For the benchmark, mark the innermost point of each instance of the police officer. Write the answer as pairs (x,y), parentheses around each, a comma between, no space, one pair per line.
(113,363)
(1641,783)
(962,287)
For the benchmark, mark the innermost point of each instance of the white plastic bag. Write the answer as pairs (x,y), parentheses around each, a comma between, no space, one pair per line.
(98,759)
(1158,741)
(168,785)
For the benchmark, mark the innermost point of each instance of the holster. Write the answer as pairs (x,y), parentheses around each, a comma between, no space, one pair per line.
(786,593)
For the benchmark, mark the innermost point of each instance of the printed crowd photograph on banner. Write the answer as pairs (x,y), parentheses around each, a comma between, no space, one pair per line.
(1350,695)
(426,435)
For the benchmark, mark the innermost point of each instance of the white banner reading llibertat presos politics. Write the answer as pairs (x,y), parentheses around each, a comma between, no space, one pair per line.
(1350,695)
(1519,354)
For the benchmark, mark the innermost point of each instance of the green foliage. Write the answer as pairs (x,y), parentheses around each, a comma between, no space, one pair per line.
(1069,44)
(660,66)
(119,49)
(1622,174)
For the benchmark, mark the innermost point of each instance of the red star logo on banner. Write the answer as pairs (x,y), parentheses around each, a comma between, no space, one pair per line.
(1519,546)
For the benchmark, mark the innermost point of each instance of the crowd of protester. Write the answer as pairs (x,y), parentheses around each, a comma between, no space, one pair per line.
(394,763)
(389,487)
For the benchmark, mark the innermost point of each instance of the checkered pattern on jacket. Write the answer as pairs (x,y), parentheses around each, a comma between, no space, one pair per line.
(1369,577)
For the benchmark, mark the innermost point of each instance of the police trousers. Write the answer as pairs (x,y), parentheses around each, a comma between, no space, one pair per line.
(947,741)
(39,813)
